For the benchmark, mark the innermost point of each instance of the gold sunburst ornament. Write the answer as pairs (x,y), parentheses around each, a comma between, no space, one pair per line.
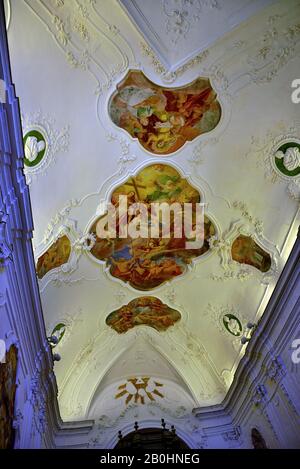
(139,389)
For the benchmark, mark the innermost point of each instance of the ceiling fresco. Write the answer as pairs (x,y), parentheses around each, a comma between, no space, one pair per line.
(143,311)
(163,119)
(126,104)
(57,255)
(246,251)
(146,263)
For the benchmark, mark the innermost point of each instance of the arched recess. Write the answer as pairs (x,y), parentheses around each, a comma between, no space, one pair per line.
(141,376)
(107,348)
(125,425)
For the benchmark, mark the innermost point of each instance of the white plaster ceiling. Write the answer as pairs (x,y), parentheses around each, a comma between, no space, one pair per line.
(179,30)
(67,58)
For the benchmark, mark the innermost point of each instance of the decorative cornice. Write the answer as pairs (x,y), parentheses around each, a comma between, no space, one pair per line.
(183,16)
(166,75)
(276,47)
(78,34)
(276,370)
(5,254)
(259,395)
(233,435)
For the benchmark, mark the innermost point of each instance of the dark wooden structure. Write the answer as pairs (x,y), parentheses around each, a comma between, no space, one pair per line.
(151,438)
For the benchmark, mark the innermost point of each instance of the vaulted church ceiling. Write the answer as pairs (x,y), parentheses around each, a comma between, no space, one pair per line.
(161,101)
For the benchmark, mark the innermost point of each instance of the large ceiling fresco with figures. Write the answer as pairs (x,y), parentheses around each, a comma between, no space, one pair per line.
(163,119)
(130,104)
(147,262)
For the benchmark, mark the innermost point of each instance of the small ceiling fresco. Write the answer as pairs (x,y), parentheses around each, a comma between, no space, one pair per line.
(143,311)
(163,119)
(139,390)
(57,255)
(34,148)
(146,263)
(287,159)
(246,251)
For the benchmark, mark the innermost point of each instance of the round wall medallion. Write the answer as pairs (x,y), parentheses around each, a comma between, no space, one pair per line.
(287,159)
(34,148)
(232,324)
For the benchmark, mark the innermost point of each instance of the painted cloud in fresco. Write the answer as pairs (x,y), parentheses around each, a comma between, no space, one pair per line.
(163,119)
(146,263)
